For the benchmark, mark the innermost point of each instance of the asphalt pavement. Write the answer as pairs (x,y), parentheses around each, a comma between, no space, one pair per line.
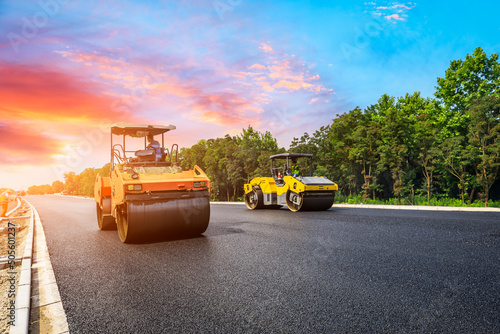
(274,271)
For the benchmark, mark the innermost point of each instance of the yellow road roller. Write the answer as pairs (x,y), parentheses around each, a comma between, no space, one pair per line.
(290,186)
(148,195)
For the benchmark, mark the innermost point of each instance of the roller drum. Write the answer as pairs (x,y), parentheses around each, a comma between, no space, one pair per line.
(104,220)
(307,202)
(146,220)
(254,199)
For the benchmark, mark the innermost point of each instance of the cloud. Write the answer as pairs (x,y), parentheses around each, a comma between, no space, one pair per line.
(35,92)
(172,83)
(266,48)
(392,11)
(23,145)
(394,17)
(42,110)
(282,73)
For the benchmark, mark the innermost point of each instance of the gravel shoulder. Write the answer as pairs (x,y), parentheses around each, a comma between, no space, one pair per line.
(9,275)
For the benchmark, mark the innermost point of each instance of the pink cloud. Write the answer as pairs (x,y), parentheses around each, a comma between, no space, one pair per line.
(394,17)
(266,48)
(23,144)
(257,67)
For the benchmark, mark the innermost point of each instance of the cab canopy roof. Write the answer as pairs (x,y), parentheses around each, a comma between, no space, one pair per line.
(139,130)
(291,155)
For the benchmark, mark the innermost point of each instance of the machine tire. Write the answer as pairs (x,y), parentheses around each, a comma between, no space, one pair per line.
(254,199)
(105,223)
(289,202)
(123,225)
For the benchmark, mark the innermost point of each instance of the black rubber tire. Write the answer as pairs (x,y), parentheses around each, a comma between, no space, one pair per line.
(254,200)
(105,223)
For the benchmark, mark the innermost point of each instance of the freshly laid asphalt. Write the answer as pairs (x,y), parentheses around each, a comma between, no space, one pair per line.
(274,271)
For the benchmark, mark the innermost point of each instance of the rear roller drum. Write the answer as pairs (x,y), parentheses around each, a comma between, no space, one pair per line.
(254,199)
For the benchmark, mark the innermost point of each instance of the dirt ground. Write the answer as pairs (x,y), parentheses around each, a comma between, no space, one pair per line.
(6,273)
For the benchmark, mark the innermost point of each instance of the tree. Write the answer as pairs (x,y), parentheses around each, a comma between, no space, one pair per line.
(484,141)
(57,186)
(71,182)
(427,153)
(468,80)
(251,143)
(366,141)
(465,81)
(338,155)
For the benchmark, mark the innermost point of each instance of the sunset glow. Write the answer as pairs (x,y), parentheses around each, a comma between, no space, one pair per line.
(69,69)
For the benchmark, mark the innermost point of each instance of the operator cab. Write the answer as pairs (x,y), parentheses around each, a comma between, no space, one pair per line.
(285,163)
(146,157)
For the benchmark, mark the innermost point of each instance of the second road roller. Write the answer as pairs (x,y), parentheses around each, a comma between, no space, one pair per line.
(147,194)
(289,186)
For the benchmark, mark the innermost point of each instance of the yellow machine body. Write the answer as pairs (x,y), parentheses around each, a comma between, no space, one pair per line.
(295,191)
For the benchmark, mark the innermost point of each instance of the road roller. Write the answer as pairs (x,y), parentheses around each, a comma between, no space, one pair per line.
(292,184)
(147,194)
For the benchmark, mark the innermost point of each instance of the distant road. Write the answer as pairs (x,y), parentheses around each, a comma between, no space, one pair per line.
(339,271)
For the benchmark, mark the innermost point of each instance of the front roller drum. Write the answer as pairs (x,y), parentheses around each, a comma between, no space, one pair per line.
(147,220)
(254,199)
(302,202)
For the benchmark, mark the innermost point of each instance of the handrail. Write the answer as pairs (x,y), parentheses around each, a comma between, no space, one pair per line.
(176,153)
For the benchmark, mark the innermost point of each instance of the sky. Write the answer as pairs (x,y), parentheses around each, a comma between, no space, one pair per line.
(70,69)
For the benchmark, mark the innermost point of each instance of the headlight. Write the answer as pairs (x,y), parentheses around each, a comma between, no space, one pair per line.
(200,184)
(136,187)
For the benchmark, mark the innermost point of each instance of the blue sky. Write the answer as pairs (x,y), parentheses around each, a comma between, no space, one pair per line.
(70,68)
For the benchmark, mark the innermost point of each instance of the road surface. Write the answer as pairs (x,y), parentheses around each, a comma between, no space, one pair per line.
(338,271)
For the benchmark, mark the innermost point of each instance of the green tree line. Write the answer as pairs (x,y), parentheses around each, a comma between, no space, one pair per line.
(75,184)
(408,147)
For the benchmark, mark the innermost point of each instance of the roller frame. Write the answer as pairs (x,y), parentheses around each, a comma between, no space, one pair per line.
(148,200)
(310,193)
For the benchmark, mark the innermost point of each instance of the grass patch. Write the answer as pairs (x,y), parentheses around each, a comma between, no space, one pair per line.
(418,200)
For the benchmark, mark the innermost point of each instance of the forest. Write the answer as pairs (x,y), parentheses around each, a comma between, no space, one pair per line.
(440,150)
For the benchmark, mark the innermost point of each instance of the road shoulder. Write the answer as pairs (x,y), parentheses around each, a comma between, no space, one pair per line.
(47,312)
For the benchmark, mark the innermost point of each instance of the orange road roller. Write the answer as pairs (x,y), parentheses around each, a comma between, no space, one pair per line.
(147,194)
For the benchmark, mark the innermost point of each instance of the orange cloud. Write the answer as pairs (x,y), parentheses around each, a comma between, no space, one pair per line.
(166,86)
(22,144)
(42,110)
(30,93)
